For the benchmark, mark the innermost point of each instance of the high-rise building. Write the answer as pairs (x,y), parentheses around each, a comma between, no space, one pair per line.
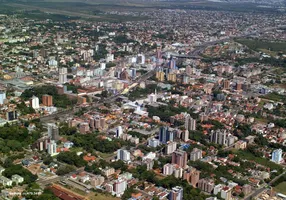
(178,171)
(109,57)
(165,135)
(52,147)
(102,66)
(226,84)
(43,53)
(11,115)
(149,163)
(196,154)
(176,193)
(171,147)
(47,100)
(102,122)
(222,138)
(206,185)
(160,76)
(153,142)
(172,77)
(119,131)
(226,193)
(123,155)
(168,169)
(172,64)
(96,180)
(133,72)
(63,75)
(277,156)
(192,176)
(159,53)
(119,186)
(190,123)
(141,59)
(34,102)
(189,70)
(219,137)
(246,189)
(153,97)
(2,96)
(180,158)
(238,86)
(185,135)
(84,128)
(53,132)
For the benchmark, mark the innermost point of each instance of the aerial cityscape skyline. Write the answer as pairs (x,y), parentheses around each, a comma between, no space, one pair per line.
(143,100)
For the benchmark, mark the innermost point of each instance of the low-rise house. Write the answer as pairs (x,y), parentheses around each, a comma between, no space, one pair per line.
(17,179)
(2,170)
(5,181)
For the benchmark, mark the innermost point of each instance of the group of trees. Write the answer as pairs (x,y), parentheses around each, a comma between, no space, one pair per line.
(18,169)
(280,123)
(71,158)
(65,169)
(138,135)
(64,129)
(59,100)
(122,39)
(281,179)
(24,110)
(190,193)
(165,112)
(91,142)
(94,168)
(142,92)
(101,52)
(14,138)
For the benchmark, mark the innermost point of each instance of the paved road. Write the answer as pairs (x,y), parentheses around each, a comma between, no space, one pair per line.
(260,190)
(44,182)
(254,194)
(273,180)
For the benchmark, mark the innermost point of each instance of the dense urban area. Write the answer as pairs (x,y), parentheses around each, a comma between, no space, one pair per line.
(142,104)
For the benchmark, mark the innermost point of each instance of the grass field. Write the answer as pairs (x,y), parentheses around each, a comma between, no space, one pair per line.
(91,195)
(263,161)
(281,188)
(264,46)
(99,196)
(275,97)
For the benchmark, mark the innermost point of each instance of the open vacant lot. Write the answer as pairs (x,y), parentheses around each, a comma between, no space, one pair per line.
(281,188)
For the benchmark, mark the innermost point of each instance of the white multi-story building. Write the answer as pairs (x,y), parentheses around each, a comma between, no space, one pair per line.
(153,142)
(53,131)
(2,97)
(17,179)
(123,155)
(102,66)
(190,123)
(277,156)
(34,102)
(119,131)
(168,169)
(63,75)
(196,154)
(5,181)
(109,57)
(119,186)
(152,98)
(176,193)
(52,148)
(141,59)
(171,147)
